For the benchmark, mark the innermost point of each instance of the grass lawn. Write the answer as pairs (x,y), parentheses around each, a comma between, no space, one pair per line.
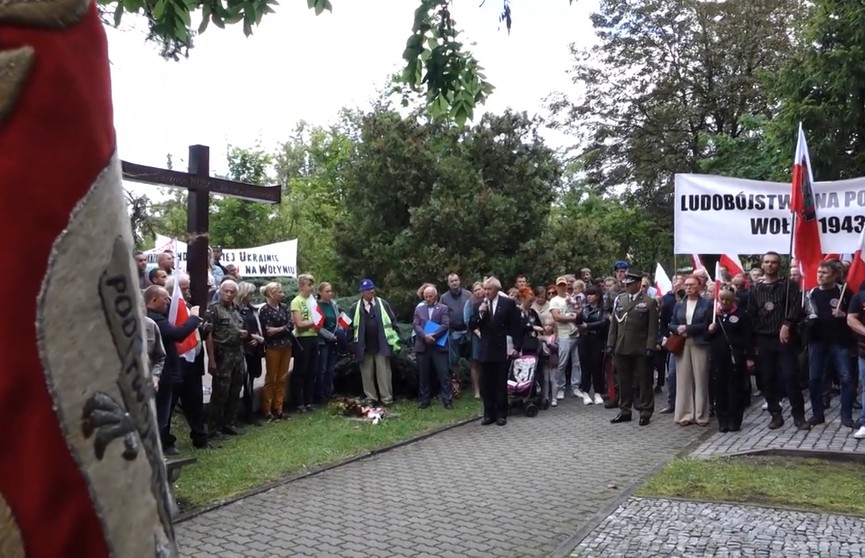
(267,453)
(813,484)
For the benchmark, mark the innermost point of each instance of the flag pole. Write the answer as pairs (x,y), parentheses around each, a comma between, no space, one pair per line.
(792,239)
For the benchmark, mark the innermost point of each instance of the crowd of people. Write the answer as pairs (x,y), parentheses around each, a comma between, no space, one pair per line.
(612,341)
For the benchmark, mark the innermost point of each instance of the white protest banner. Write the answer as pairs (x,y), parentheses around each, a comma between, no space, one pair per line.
(722,215)
(270,260)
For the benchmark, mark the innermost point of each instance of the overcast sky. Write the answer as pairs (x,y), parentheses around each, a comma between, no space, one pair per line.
(296,66)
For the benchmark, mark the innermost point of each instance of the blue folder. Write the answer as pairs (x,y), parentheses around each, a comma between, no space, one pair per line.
(430,328)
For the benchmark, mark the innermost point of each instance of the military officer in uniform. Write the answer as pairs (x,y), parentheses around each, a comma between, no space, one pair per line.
(633,336)
(226,362)
(620,270)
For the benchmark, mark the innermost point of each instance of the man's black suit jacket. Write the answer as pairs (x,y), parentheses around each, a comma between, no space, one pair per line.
(172,334)
(494,329)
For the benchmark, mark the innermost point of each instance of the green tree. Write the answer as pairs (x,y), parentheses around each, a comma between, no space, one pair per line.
(423,199)
(238,223)
(823,86)
(311,165)
(140,218)
(668,85)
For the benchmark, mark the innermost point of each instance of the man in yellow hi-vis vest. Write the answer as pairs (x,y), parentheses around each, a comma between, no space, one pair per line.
(374,338)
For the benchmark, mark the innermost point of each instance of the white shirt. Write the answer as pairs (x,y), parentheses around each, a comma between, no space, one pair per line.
(560,303)
(690,307)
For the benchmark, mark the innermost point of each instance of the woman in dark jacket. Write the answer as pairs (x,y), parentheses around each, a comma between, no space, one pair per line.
(731,353)
(691,319)
(530,324)
(591,344)
(253,350)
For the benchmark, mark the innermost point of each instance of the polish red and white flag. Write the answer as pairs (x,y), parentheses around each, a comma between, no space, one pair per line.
(343,320)
(856,274)
(315,314)
(732,264)
(696,261)
(662,280)
(178,315)
(806,235)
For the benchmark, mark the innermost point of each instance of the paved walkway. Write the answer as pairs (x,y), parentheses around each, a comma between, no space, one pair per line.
(756,435)
(657,527)
(521,490)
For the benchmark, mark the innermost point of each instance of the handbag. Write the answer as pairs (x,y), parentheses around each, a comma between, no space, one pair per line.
(674,344)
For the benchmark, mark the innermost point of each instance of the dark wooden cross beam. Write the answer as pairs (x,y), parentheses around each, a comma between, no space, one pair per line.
(199,185)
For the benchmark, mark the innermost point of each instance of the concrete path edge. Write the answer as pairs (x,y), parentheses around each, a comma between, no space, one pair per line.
(194,512)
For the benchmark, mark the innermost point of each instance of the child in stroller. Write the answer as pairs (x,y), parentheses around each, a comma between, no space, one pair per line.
(524,386)
(526,376)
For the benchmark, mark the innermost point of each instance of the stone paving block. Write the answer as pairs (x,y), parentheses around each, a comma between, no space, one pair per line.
(755,434)
(475,490)
(701,529)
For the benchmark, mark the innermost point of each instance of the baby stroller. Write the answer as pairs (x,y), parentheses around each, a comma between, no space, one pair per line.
(524,387)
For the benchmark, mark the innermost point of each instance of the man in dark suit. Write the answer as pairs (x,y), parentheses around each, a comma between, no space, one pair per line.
(430,355)
(157,300)
(632,338)
(496,317)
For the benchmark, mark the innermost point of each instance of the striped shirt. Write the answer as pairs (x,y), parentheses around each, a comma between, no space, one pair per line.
(767,305)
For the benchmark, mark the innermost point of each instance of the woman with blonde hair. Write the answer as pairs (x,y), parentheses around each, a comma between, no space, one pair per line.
(276,326)
(302,381)
(253,349)
(477,295)
(328,343)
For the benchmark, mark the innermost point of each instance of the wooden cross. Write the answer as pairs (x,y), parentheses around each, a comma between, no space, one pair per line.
(199,185)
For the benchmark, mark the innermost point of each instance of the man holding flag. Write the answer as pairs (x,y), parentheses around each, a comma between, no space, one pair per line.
(174,336)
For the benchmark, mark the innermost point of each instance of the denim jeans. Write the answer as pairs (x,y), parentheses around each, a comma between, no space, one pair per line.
(568,354)
(324,379)
(862,387)
(818,353)
(671,380)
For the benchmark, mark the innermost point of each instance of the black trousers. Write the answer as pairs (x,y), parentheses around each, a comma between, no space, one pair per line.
(732,388)
(591,349)
(253,371)
(190,395)
(779,375)
(635,373)
(302,380)
(432,366)
(494,388)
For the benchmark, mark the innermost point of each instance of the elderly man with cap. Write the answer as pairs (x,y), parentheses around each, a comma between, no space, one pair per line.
(633,336)
(374,338)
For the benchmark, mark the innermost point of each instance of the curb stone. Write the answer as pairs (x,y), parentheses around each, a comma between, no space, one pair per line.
(195,512)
